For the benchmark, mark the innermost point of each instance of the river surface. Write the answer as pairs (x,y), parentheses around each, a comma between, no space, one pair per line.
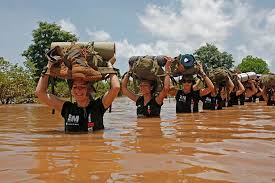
(232,145)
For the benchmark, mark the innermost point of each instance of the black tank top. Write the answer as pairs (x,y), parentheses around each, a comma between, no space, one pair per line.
(78,119)
(270,101)
(212,103)
(234,100)
(151,109)
(185,101)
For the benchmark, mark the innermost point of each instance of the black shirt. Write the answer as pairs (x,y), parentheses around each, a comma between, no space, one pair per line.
(185,101)
(271,102)
(78,119)
(151,109)
(212,103)
(234,99)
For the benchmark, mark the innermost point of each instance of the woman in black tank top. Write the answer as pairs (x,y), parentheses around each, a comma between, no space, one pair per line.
(269,95)
(236,93)
(147,104)
(188,97)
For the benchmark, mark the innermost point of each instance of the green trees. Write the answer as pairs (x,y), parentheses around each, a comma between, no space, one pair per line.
(253,64)
(43,36)
(211,57)
(16,84)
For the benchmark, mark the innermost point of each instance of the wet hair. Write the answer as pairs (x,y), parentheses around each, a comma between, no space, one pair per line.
(89,84)
(187,78)
(153,84)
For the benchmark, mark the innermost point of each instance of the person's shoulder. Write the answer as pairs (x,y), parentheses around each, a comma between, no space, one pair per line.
(179,91)
(96,101)
(196,92)
(68,104)
(140,99)
(97,104)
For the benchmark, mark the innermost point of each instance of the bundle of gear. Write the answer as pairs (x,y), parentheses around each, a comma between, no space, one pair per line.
(82,60)
(149,68)
(268,80)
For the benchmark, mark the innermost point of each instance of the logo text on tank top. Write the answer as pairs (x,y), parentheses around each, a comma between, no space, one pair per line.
(73,120)
(182,98)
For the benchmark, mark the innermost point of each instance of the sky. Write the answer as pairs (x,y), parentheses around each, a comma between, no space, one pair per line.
(147,27)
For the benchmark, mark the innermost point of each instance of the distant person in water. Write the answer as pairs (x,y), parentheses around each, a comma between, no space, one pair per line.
(237,91)
(85,114)
(215,100)
(148,104)
(269,95)
(188,97)
(250,90)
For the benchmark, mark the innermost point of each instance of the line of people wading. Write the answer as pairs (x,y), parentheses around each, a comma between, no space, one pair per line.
(153,77)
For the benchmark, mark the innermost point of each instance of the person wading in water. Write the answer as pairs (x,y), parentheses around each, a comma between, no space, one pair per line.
(85,114)
(147,104)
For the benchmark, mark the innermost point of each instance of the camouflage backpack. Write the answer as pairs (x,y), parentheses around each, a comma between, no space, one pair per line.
(233,76)
(91,57)
(146,68)
(218,76)
(268,80)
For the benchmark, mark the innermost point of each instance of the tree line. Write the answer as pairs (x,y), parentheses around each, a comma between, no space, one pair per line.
(17,84)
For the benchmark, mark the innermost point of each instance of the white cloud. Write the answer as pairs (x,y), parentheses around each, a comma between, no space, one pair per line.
(99,35)
(68,26)
(213,21)
(195,22)
(258,32)
(184,28)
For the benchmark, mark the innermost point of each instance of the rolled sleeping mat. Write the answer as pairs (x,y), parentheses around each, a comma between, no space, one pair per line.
(246,76)
(105,49)
(251,75)
(243,77)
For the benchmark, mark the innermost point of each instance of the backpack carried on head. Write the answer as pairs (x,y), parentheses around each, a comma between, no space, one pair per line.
(147,68)
(218,76)
(83,61)
(188,62)
(233,76)
(268,80)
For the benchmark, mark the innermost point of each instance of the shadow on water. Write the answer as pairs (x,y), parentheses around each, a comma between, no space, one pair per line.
(231,145)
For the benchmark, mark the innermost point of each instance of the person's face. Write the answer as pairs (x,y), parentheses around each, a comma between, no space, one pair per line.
(80,90)
(145,88)
(187,84)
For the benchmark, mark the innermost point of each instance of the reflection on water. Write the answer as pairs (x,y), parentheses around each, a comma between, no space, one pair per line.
(232,145)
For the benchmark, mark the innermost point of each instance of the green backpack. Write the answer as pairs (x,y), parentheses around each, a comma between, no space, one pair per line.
(233,76)
(146,68)
(268,80)
(92,58)
(218,76)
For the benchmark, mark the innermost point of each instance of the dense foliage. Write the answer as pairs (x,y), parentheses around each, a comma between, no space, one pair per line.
(211,57)
(16,84)
(253,64)
(43,36)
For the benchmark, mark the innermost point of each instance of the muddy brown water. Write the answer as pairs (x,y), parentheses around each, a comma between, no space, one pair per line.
(232,145)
